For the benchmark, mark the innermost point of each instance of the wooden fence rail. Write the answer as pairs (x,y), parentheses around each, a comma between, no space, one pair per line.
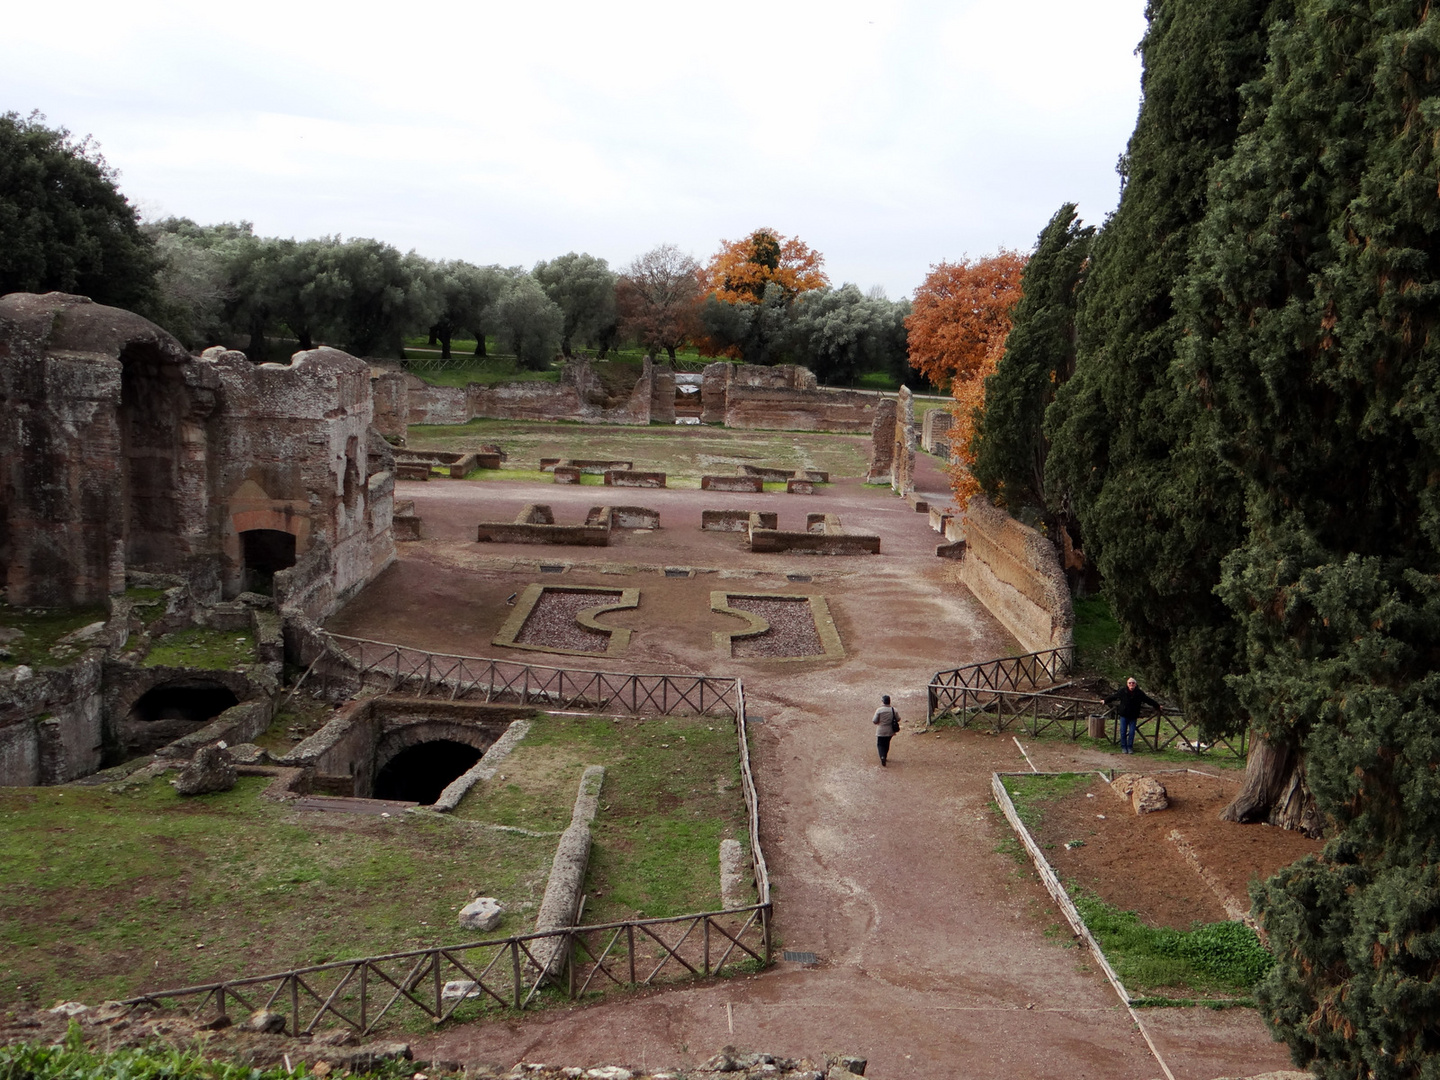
(400,668)
(1027,692)
(504,973)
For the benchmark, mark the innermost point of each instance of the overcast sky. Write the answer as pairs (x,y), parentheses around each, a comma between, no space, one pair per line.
(887,136)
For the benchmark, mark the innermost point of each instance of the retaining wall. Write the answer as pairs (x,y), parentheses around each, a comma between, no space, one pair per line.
(1015,572)
(732,483)
(808,543)
(630,478)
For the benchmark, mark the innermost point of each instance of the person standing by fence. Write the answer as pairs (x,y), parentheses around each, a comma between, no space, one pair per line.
(1128,702)
(887,724)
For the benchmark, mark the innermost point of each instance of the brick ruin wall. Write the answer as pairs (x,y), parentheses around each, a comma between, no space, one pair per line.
(748,396)
(882,443)
(935,432)
(902,459)
(1015,572)
(124,457)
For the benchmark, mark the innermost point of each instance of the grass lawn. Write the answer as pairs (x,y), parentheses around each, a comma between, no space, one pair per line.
(671,794)
(108,891)
(680,451)
(1216,961)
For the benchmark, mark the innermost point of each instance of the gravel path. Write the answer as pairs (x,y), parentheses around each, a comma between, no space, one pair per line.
(552,623)
(792,629)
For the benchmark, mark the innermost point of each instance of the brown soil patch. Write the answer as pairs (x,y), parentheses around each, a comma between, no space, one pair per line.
(792,628)
(1130,862)
(553,622)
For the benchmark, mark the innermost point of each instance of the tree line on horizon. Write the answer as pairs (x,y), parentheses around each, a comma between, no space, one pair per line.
(765,299)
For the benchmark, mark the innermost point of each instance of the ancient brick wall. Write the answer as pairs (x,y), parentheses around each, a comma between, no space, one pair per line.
(902,459)
(882,442)
(51,723)
(935,432)
(1015,572)
(778,409)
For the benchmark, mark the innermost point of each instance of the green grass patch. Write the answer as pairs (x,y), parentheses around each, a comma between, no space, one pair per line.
(32,635)
(108,893)
(532,476)
(1030,794)
(1097,639)
(671,794)
(1223,958)
(202,647)
(73,1060)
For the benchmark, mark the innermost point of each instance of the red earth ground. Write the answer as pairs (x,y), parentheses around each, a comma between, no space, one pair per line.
(933,959)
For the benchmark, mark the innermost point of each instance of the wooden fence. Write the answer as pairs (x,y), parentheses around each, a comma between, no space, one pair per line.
(1025,692)
(1031,671)
(400,668)
(479,977)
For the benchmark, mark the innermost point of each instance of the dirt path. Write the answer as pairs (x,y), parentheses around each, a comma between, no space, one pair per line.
(937,956)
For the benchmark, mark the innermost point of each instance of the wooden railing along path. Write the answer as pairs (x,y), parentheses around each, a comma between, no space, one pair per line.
(1028,693)
(401,667)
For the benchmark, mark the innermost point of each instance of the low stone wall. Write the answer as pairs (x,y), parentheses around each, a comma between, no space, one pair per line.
(567,474)
(596,466)
(1015,572)
(823,524)
(795,486)
(624,517)
(807,543)
(630,478)
(561,904)
(726,520)
(768,408)
(238,724)
(732,483)
(535,524)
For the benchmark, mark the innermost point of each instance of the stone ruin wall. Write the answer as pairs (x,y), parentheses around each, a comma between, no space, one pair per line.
(935,433)
(747,396)
(123,455)
(902,458)
(1015,572)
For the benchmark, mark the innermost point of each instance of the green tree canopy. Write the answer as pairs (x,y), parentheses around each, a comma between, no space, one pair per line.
(466,294)
(583,288)
(529,323)
(842,333)
(1010,445)
(1155,512)
(64,225)
(1314,316)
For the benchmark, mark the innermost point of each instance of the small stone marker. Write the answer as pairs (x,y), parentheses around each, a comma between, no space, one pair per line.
(482,913)
(266,1022)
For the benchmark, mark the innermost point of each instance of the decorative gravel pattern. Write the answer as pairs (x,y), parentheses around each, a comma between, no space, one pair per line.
(792,628)
(552,622)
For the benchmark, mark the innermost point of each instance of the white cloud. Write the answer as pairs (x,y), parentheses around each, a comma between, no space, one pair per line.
(888,137)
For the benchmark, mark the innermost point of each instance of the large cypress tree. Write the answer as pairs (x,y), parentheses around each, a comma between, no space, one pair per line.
(1010,445)
(1315,304)
(1157,515)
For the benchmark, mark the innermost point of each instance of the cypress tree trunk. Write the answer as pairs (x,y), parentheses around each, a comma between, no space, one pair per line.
(1275,791)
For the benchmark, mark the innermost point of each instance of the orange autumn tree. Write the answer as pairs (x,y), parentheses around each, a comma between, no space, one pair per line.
(957,334)
(741,269)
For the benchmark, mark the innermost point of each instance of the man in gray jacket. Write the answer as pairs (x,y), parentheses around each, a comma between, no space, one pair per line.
(887,723)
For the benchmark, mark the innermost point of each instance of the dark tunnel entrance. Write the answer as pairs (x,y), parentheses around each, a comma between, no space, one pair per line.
(164,713)
(422,772)
(265,552)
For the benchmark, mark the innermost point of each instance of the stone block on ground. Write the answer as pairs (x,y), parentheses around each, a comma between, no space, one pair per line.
(212,769)
(265,1022)
(1145,794)
(482,913)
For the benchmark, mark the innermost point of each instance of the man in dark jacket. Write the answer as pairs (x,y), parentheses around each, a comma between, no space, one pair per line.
(1128,702)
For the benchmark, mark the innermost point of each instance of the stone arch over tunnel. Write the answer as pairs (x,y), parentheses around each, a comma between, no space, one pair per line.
(417,762)
(172,709)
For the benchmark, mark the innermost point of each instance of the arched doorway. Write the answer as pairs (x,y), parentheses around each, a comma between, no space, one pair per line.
(421,772)
(264,553)
(165,712)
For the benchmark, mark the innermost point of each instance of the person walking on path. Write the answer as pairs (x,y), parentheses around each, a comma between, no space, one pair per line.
(887,724)
(1128,702)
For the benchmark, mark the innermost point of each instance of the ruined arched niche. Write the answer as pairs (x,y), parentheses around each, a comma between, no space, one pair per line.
(79,449)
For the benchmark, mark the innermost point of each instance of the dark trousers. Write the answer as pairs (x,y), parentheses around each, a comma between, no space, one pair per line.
(1128,724)
(882,743)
